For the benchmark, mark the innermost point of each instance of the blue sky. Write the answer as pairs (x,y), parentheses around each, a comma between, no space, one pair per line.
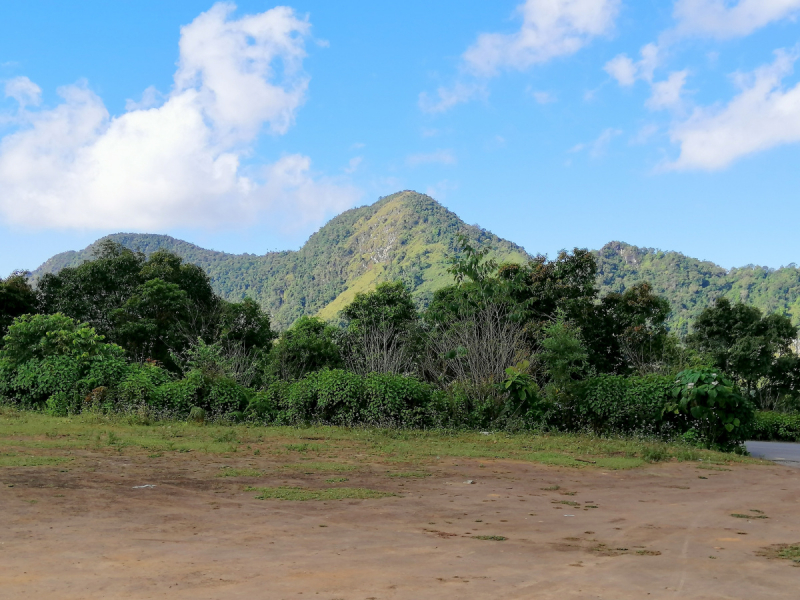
(553,123)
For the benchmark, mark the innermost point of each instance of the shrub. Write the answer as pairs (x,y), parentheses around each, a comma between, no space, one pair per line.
(395,400)
(140,385)
(613,403)
(47,355)
(719,414)
(339,395)
(783,427)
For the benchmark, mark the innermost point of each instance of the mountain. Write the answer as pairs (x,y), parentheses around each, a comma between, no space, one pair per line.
(407,236)
(691,285)
(410,236)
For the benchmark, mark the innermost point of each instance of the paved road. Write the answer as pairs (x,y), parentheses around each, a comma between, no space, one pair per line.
(785,453)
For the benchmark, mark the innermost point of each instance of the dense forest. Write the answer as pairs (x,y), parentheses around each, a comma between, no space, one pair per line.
(411,237)
(511,344)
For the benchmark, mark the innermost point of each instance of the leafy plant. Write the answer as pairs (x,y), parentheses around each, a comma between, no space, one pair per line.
(720,415)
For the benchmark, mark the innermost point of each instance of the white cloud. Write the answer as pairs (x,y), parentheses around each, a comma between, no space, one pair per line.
(179,163)
(627,72)
(24,91)
(723,19)
(598,147)
(763,115)
(442,157)
(550,28)
(543,97)
(667,93)
(447,97)
(151,97)
(353,165)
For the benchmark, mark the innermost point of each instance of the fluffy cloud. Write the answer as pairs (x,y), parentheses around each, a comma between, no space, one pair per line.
(667,93)
(720,19)
(550,28)
(763,115)
(627,72)
(177,163)
(24,91)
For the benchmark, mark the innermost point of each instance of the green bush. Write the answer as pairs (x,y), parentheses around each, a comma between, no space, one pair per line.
(139,385)
(772,426)
(53,355)
(340,396)
(395,400)
(617,404)
(720,416)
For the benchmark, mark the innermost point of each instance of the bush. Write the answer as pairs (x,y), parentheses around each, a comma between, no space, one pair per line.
(395,400)
(617,404)
(773,426)
(720,416)
(339,395)
(53,355)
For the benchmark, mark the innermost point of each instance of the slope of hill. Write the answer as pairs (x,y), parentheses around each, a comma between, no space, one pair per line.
(691,285)
(406,236)
(410,236)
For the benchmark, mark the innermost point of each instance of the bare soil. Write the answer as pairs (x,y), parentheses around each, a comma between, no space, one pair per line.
(86,530)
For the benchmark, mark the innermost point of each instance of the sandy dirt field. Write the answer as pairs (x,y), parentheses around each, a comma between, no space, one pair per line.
(661,531)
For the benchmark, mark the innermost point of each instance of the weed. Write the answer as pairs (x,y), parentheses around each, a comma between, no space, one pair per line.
(566,502)
(782,551)
(552,488)
(741,516)
(337,480)
(493,538)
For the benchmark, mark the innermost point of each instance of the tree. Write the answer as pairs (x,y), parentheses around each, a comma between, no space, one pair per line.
(744,343)
(381,334)
(626,332)
(152,307)
(308,345)
(17,297)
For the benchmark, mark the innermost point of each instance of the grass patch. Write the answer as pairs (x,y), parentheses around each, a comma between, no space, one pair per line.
(245,472)
(566,502)
(741,516)
(303,494)
(30,461)
(410,474)
(320,466)
(337,480)
(782,551)
(24,430)
(492,538)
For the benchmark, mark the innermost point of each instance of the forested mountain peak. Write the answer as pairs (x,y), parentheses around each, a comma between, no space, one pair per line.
(407,236)
(410,236)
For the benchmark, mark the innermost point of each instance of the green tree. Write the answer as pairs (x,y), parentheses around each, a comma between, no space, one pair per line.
(744,343)
(17,297)
(308,345)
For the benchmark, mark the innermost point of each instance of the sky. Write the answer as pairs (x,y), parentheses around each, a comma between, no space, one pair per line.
(553,123)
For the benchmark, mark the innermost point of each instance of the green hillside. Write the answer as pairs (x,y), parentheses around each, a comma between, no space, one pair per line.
(691,284)
(410,236)
(407,236)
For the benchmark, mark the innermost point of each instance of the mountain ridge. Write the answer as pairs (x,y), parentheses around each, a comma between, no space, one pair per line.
(410,236)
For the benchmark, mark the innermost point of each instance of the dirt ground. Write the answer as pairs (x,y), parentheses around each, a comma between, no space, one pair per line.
(662,531)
